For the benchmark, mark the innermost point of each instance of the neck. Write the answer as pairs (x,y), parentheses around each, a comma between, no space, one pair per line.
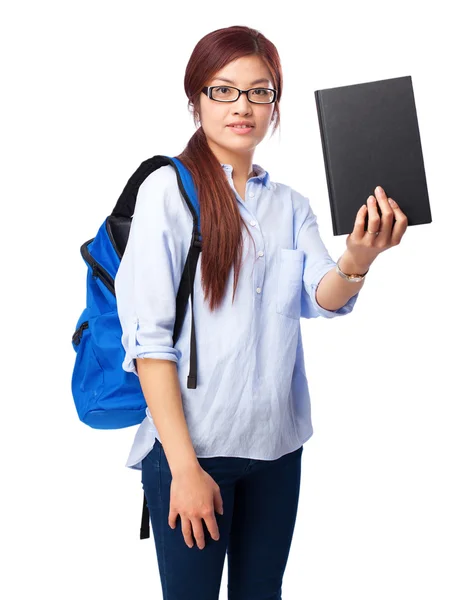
(242,167)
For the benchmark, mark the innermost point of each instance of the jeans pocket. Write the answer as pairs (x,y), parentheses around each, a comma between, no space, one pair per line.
(289,282)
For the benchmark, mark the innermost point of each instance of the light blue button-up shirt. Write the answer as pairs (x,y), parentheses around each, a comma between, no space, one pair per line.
(252,398)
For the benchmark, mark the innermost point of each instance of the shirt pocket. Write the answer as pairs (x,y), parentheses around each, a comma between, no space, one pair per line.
(289,283)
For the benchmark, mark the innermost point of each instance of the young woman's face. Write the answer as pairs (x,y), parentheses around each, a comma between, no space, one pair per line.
(244,73)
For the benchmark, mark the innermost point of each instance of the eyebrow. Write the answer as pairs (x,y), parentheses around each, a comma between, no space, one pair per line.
(253,82)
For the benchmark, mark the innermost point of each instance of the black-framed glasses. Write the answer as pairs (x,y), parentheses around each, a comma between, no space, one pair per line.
(226,93)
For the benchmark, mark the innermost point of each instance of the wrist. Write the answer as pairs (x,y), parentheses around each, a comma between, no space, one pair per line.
(349,265)
(182,468)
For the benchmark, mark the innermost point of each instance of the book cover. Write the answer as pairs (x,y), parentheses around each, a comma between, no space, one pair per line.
(370,136)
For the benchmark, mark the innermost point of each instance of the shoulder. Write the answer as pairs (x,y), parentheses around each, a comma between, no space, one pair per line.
(159,196)
(158,183)
(300,203)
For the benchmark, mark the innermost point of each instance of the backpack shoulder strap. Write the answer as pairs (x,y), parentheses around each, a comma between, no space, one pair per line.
(187,189)
(125,206)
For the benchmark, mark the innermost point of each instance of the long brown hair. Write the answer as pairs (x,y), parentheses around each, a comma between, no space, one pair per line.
(220,219)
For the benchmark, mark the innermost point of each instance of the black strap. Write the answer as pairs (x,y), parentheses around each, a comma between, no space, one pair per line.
(185,290)
(144,529)
(125,206)
(192,262)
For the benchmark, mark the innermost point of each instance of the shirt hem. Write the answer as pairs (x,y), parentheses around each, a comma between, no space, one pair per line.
(137,465)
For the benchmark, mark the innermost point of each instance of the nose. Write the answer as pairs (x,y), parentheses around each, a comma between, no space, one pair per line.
(242,104)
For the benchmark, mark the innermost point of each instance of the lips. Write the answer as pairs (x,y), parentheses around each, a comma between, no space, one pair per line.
(240,123)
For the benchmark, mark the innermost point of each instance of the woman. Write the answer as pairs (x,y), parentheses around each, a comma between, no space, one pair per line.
(221,463)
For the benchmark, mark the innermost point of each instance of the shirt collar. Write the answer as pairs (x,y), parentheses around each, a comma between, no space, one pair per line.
(262,175)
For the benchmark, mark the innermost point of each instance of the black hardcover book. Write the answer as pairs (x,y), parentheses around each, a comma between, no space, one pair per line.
(370,137)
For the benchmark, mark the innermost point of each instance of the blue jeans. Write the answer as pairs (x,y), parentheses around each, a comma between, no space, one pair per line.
(260,499)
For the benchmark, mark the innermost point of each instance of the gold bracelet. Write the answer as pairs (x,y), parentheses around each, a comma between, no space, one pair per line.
(354,277)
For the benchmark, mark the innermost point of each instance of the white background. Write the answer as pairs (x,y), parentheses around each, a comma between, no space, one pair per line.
(90,90)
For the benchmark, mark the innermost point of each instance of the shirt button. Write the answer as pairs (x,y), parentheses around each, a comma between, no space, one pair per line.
(251,194)
(261,253)
(259,289)
(253,223)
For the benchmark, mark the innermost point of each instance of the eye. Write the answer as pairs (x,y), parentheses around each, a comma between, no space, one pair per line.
(218,90)
(262,91)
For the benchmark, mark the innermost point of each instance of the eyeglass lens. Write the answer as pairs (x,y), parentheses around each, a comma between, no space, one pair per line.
(227,94)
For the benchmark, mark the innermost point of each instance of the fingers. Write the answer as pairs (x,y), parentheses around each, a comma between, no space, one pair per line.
(194,525)
(382,223)
(198,532)
(197,505)
(394,220)
(218,501)
(387,218)
(360,221)
(212,526)
(391,225)
(373,223)
(187,531)
(401,223)
(172,519)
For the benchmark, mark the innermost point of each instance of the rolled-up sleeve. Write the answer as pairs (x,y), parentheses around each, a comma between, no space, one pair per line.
(317,263)
(149,273)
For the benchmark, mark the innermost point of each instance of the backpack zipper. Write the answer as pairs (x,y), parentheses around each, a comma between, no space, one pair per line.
(76,338)
(98,270)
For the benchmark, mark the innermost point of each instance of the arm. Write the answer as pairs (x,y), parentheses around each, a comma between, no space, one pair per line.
(161,388)
(146,286)
(333,291)
(325,293)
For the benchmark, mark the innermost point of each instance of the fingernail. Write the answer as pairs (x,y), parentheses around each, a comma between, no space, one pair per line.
(392,202)
(371,199)
(378,189)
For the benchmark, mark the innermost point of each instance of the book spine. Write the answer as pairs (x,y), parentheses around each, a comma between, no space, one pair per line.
(327,161)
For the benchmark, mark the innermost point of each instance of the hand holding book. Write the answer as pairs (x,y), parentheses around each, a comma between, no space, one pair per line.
(384,230)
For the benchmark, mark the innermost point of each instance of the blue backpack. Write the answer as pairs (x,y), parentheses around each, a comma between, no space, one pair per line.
(106,396)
